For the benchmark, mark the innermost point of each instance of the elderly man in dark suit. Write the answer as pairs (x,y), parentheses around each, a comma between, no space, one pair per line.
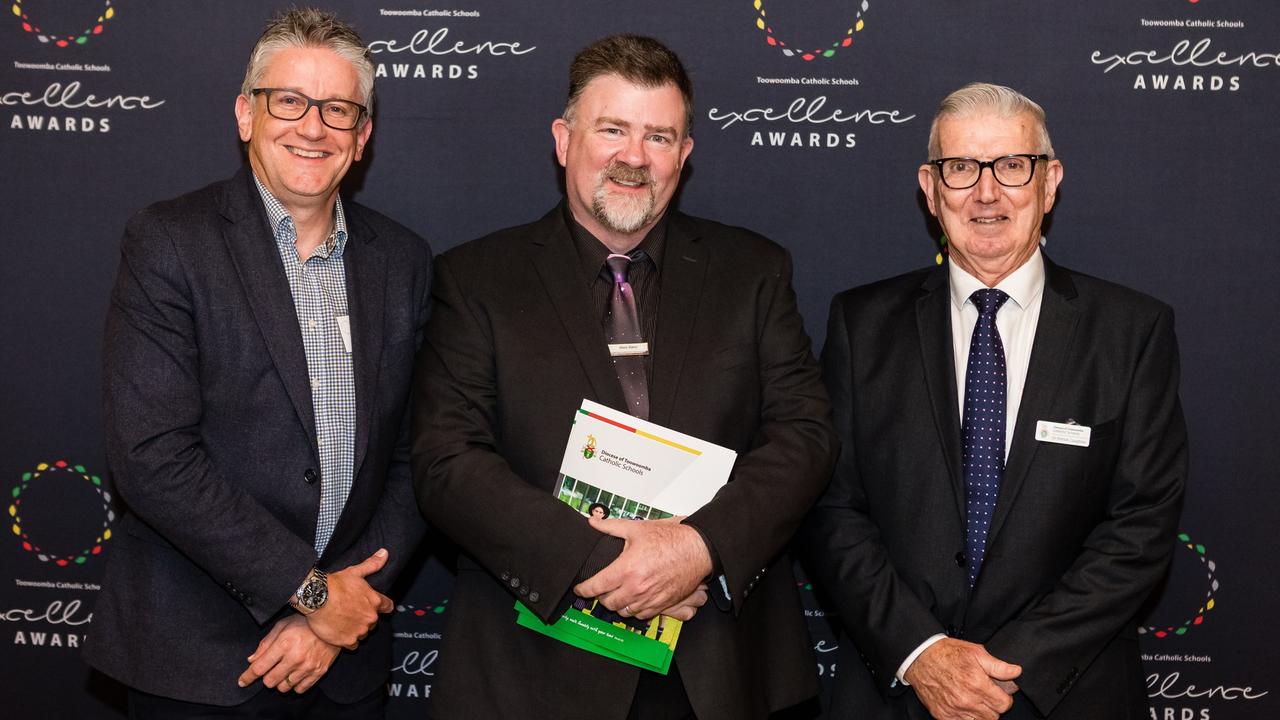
(259,348)
(616,298)
(1013,460)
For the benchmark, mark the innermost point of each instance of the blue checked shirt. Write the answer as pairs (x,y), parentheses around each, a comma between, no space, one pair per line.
(319,290)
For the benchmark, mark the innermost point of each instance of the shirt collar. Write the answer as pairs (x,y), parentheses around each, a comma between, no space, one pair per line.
(592,253)
(282,224)
(1022,285)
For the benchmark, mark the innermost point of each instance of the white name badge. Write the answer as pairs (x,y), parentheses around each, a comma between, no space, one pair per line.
(628,349)
(344,327)
(1063,433)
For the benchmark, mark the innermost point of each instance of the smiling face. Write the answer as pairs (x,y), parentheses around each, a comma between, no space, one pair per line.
(991,229)
(302,161)
(622,154)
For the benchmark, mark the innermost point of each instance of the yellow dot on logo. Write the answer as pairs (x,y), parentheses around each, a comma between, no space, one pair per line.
(938,260)
(17,11)
(42,467)
(858,27)
(106,535)
(13,511)
(17,530)
(111,12)
(757,4)
(1210,604)
(760,23)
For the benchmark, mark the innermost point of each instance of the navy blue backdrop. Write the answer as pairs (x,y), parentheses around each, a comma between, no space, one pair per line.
(811,119)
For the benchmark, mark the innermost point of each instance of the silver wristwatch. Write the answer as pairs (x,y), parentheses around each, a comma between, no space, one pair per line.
(312,593)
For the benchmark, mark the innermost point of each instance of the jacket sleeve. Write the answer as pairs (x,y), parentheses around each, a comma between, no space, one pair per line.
(842,543)
(753,517)
(535,545)
(153,411)
(1125,555)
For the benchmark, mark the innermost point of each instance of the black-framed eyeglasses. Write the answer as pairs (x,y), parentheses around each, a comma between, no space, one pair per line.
(960,173)
(285,104)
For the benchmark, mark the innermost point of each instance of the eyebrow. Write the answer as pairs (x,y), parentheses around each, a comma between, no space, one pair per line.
(665,129)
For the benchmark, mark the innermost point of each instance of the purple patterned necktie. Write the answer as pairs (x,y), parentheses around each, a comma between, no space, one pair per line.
(623,329)
(984,426)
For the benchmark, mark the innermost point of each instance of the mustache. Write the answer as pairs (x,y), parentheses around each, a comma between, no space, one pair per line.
(622,172)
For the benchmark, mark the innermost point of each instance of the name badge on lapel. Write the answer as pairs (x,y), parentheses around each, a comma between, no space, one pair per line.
(344,328)
(628,349)
(1067,433)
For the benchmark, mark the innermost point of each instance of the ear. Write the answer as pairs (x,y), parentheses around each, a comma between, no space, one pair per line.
(362,137)
(244,117)
(686,147)
(560,131)
(1052,178)
(928,185)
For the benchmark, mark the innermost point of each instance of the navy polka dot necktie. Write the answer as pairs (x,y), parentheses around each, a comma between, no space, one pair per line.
(623,326)
(984,426)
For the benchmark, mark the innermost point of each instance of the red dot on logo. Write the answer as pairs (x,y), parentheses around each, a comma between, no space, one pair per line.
(847,42)
(419,613)
(61,563)
(97,30)
(96,549)
(61,463)
(26,546)
(26,26)
(1199,619)
(807,56)
(1161,633)
(772,41)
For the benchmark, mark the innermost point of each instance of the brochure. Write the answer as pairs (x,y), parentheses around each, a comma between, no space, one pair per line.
(619,466)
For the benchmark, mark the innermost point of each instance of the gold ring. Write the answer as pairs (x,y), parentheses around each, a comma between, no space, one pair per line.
(626,609)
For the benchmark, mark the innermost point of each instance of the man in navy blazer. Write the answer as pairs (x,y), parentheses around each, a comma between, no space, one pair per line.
(1013,460)
(258,354)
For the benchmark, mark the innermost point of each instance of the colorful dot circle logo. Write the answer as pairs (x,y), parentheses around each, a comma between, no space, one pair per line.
(1211,584)
(59,38)
(775,38)
(28,535)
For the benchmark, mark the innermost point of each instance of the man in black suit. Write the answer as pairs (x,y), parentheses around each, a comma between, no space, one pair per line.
(970,581)
(258,353)
(522,331)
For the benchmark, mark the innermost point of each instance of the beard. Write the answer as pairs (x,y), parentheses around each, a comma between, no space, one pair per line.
(624,213)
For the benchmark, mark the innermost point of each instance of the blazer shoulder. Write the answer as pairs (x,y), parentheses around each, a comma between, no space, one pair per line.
(733,243)
(400,238)
(1108,298)
(500,246)
(904,288)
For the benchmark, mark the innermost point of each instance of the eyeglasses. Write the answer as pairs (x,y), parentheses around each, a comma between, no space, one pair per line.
(960,173)
(285,104)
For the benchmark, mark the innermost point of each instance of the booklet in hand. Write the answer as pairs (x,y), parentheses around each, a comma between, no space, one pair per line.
(619,466)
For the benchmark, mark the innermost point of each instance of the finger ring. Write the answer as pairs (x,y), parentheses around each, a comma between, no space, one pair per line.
(626,609)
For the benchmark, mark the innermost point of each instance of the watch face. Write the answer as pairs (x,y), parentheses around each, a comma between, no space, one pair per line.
(314,593)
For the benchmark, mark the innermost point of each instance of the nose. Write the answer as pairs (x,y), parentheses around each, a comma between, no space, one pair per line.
(633,151)
(310,125)
(987,189)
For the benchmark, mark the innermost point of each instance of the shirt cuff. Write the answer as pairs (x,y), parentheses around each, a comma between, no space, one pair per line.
(902,669)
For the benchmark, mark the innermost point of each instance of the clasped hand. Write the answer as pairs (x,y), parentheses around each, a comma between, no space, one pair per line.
(958,680)
(659,572)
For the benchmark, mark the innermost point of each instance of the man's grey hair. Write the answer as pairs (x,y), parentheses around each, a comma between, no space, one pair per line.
(979,98)
(311,28)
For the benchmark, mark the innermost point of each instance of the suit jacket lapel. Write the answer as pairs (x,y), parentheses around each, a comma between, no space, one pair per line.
(249,240)
(364,263)
(1055,332)
(933,319)
(557,264)
(684,266)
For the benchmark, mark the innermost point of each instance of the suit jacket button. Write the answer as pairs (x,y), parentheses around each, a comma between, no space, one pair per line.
(533,596)
(310,476)
(961,560)
(505,576)
(514,582)
(951,631)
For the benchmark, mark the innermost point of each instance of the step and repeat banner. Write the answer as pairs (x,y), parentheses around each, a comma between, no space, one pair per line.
(811,118)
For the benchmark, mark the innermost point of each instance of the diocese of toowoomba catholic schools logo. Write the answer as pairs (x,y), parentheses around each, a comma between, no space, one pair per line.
(54,488)
(63,23)
(589,450)
(777,36)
